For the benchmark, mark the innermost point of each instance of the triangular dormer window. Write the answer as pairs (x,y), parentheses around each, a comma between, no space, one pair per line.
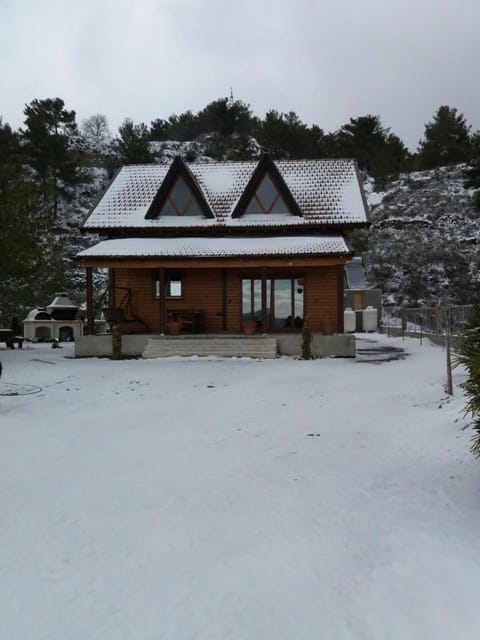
(180,201)
(179,195)
(266,193)
(267,199)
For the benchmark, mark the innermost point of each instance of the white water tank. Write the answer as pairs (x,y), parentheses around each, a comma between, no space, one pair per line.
(369,319)
(349,320)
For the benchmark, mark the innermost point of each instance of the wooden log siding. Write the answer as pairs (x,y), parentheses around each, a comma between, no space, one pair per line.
(321,291)
(203,289)
(143,303)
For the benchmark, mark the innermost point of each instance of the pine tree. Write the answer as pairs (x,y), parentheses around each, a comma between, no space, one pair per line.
(159,129)
(361,139)
(284,135)
(132,144)
(48,137)
(25,241)
(378,152)
(446,139)
(226,117)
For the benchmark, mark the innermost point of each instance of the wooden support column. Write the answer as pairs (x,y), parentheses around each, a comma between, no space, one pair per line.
(90,319)
(161,299)
(340,293)
(111,288)
(264,300)
(224,299)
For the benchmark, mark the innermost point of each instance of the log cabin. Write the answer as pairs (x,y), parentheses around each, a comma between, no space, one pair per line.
(226,247)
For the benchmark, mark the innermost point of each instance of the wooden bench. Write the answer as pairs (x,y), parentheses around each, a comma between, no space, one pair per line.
(190,320)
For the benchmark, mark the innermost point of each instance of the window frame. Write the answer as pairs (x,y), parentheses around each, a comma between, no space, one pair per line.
(171,276)
(169,200)
(278,197)
(296,282)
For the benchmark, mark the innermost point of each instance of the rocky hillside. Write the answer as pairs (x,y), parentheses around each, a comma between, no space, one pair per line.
(424,240)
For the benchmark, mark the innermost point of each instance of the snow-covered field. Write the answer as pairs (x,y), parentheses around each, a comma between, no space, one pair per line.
(236,499)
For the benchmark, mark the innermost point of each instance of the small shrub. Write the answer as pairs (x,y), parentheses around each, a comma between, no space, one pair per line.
(306,342)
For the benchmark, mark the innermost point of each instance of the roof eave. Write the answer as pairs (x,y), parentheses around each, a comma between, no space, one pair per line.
(260,256)
(362,192)
(306,227)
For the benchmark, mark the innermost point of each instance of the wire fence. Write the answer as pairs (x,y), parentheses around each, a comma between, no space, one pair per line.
(442,324)
(440,320)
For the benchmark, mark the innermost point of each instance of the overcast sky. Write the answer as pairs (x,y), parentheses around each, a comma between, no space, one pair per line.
(327,60)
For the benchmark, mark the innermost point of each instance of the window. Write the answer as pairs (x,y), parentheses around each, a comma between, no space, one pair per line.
(266,199)
(173,284)
(284,300)
(174,288)
(181,201)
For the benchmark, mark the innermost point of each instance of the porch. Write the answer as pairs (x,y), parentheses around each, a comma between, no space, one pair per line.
(203,299)
(220,345)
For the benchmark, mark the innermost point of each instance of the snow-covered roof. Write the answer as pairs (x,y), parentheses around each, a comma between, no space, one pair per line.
(327,192)
(355,274)
(38,313)
(61,301)
(218,247)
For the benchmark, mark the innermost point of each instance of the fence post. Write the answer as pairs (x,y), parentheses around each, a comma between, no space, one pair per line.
(438,318)
(404,320)
(449,368)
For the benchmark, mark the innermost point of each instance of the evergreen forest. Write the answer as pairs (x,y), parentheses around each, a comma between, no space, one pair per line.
(53,168)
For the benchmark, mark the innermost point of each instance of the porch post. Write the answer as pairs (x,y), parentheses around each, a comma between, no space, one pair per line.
(111,288)
(161,299)
(224,299)
(340,294)
(90,319)
(264,300)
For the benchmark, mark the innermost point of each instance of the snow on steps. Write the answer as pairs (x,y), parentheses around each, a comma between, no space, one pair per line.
(223,346)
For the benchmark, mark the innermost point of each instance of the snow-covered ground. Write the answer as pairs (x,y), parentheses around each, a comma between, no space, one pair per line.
(236,499)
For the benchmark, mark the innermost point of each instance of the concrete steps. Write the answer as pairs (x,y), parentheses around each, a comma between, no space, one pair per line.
(222,346)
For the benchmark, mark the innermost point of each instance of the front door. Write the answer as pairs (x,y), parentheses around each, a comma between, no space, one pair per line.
(277,302)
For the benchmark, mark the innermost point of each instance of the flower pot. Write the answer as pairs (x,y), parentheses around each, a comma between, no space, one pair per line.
(173,327)
(249,327)
(328,327)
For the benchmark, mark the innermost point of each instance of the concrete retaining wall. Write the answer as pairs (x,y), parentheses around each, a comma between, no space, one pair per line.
(101,345)
(342,345)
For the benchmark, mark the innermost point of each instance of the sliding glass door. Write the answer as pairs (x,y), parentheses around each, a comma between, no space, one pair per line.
(279,304)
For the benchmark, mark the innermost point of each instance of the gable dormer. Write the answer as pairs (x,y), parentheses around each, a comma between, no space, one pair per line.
(266,193)
(179,195)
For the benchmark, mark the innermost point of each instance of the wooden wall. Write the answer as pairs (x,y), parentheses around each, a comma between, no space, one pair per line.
(321,299)
(202,289)
(213,290)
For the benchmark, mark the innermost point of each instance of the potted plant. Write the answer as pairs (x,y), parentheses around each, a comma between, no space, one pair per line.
(328,327)
(173,327)
(249,327)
